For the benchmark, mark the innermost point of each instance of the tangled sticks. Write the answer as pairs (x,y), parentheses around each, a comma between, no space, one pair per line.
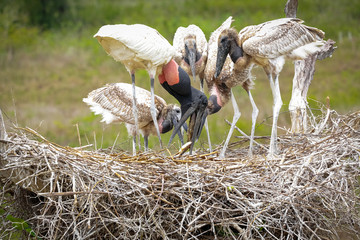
(311,192)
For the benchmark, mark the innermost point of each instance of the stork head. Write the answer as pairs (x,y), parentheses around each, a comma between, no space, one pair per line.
(227,44)
(169,117)
(213,104)
(191,53)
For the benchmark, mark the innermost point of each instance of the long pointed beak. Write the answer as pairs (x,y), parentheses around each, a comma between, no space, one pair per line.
(181,122)
(192,61)
(175,122)
(198,126)
(222,53)
(185,127)
(199,109)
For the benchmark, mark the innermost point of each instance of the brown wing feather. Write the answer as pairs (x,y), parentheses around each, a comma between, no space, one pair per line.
(117,99)
(278,37)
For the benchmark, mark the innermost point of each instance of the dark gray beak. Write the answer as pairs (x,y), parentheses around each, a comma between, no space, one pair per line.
(197,113)
(223,51)
(190,52)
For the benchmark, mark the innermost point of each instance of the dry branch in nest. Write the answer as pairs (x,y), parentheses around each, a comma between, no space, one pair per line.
(310,192)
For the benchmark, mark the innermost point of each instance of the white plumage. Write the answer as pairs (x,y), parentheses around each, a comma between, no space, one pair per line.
(267,45)
(114,103)
(137,47)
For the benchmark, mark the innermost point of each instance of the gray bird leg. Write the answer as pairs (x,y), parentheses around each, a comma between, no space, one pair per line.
(134,145)
(275,88)
(153,110)
(146,143)
(254,115)
(236,117)
(206,121)
(135,113)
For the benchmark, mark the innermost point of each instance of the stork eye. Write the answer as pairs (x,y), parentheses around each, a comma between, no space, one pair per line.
(177,111)
(223,39)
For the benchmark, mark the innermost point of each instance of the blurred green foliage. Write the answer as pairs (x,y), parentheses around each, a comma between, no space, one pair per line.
(49,60)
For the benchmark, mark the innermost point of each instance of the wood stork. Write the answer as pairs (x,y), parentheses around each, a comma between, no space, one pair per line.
(114,103)
(137,46)
(220,87)
(192,48)
(267,45)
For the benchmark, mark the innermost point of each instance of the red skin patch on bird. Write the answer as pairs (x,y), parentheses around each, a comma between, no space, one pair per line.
(160,124)
(215,91)
(170,73)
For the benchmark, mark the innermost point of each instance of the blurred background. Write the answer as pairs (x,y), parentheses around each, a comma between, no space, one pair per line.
(49,61)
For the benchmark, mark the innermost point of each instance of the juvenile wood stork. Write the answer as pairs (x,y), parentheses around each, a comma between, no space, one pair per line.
(114,103)
(267,45)
(220,87)
(137,46)
(192,48)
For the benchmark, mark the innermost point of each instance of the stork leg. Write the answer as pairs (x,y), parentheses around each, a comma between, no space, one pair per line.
(206,121)
(254,115)
(146,143)
(236,117)
(153,110)
(134,145)
(275,88)
(135,113)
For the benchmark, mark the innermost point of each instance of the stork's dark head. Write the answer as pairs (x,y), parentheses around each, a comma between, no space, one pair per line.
(191,53)
(227,44)
(213,104)
(219,95)
(170,116)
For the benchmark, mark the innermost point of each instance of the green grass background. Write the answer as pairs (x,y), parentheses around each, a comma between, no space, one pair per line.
(49,61)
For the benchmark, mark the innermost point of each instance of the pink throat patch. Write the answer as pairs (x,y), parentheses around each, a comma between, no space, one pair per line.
(159,122)
(215,91)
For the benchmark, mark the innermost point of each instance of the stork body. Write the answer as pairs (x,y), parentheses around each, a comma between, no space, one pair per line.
(268,45)
(192,48)
(114,103)
(137,47)
(192,51)
(220,87)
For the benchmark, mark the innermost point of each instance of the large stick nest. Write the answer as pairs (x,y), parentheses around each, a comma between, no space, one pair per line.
(309,192)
